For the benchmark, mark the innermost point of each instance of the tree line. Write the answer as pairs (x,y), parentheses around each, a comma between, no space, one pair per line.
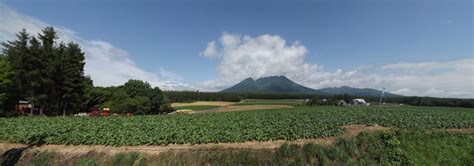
(135,96)
(49,75)
(189,96)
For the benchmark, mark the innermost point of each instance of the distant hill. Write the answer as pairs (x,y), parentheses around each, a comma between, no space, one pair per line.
(272,84)
(281,84)
(355,91)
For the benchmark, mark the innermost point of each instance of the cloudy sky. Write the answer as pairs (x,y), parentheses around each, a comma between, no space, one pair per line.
(412,47)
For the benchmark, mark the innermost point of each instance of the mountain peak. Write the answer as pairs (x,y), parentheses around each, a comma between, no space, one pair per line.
(249,79)
(271,84)
(274,78)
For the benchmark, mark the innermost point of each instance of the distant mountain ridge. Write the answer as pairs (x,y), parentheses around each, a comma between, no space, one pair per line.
(272,84)
(281,84)
(355,91)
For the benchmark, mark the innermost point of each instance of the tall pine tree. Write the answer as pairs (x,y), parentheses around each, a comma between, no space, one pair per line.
(74,81)
(6,74)
(58,78)
(49,75)
(38,74)
(16,52)
(49,57)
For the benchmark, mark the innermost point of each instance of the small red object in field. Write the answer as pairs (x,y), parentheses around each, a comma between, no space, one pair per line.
(94,112)
(105,112)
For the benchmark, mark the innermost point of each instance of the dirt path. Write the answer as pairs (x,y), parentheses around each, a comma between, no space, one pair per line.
(466,130)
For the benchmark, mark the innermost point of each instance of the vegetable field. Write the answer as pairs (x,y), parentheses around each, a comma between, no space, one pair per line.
(272,102)
(264,125)
(197,107)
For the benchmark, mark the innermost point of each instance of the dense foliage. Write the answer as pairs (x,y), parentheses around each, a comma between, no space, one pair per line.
(188,96)
(5,83)
(318,101)
(134,96)
(263,125)
(50,76)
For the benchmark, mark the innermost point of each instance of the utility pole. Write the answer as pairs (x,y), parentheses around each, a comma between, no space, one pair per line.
(381,97)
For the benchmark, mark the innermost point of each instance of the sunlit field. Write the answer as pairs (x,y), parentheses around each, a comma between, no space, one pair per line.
(260,125)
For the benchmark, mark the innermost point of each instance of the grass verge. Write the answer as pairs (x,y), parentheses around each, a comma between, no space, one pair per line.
(384,148)
(401,147)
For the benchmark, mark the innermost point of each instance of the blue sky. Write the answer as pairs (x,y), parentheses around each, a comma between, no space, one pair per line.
(171,35)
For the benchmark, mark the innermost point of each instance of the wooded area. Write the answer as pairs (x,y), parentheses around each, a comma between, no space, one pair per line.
(49,76)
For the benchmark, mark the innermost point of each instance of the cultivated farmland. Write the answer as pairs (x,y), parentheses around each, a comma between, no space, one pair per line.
(264,125)
(271,102)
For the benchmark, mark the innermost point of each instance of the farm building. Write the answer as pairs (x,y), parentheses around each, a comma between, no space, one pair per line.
(358,102)
(23,107)
(342,103)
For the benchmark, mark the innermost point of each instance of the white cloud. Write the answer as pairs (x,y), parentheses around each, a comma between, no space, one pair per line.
(170,75)
(424,67)
(405,92)
(106,64)
(242,56)
(435,93)
(267,55)
(439,79)
(210,50)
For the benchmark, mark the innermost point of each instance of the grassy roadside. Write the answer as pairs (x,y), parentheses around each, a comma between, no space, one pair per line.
(385,148)
(382,148)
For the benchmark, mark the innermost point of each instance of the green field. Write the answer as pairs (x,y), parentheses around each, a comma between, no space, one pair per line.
(197,107)
(264,125)
(271,102)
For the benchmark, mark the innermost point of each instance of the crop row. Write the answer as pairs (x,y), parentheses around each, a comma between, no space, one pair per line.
(264,125)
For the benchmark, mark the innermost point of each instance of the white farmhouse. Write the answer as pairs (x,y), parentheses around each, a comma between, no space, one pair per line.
(358,102)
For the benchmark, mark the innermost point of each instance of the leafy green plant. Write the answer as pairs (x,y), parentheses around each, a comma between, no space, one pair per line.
(263,125)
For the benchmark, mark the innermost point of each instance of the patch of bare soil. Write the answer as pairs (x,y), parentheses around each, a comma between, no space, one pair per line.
(464,130)
(354,130)
(233,108)
(213,103)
